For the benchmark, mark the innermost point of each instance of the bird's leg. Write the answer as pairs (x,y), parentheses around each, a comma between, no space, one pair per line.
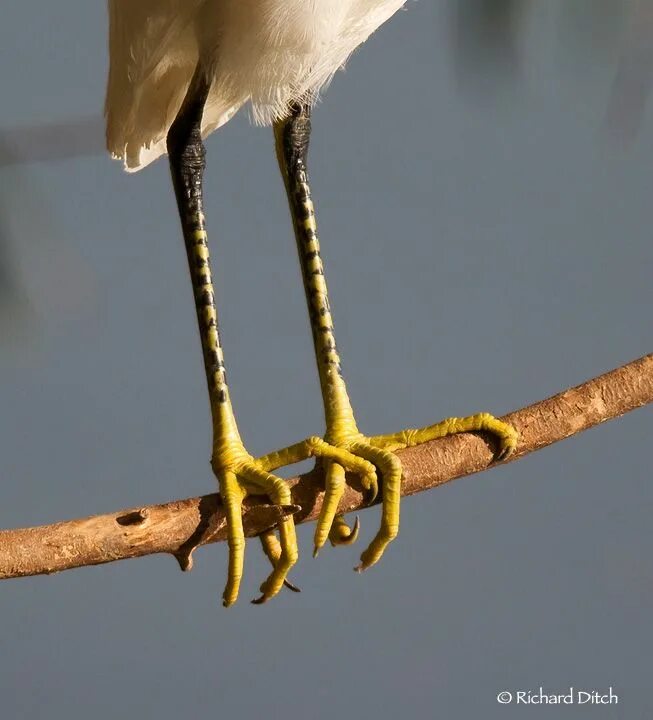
(237,471)
(342,434)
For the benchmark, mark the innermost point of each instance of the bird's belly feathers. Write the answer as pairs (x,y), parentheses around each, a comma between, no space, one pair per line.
(268,52)
(273,52)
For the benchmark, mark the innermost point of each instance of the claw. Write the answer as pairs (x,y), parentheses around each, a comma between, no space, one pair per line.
(292,587)
(507,446)
(371,493)
(341,534)
(369,557)
(262,599)
(504,453)
(267,595)
(362,566)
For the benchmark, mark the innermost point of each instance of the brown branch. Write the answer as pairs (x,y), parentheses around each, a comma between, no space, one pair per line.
(178,527)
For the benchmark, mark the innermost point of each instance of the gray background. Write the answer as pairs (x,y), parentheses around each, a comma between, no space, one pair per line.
(487,244)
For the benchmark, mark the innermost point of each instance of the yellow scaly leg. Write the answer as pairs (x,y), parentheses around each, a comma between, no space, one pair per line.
(342,434)
(238,473)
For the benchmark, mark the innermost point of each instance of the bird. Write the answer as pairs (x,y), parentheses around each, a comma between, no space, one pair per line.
(180,69)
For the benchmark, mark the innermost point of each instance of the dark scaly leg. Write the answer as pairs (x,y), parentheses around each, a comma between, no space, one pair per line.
(292,139)
(237,471)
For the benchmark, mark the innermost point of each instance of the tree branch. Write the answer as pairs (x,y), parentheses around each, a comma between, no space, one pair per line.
(178,527)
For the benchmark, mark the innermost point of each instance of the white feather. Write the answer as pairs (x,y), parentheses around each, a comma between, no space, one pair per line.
(266,52)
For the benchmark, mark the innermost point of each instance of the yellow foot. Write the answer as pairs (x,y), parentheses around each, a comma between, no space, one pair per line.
(372,453)
(242,475)
(272,550)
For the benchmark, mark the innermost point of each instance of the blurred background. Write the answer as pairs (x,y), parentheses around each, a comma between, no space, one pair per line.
(483,174)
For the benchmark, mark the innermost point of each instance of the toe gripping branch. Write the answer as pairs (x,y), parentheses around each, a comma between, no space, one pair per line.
(371,457)
(379,451)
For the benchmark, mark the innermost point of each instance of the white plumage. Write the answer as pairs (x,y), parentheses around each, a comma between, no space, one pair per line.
(267,52)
